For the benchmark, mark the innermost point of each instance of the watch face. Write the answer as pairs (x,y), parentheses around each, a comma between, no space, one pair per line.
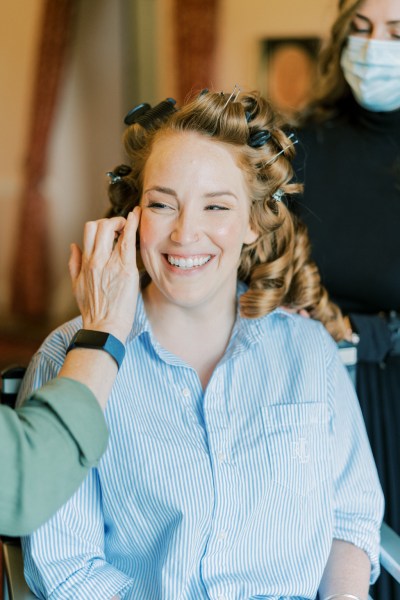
(97,339)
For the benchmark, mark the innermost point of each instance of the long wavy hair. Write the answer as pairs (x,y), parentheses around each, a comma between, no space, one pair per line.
(330,87)
(277,266)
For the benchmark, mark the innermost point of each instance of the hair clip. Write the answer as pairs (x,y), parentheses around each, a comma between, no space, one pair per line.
(119,173)
(295,141)
(278,195)
(136,112)
(203,92)
(236,90)
(145,115)
(114,178)
(259,138)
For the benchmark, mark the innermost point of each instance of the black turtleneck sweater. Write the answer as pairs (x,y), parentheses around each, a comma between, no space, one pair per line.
(351,170)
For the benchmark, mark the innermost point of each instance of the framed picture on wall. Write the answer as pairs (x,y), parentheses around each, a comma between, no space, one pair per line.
(287,70)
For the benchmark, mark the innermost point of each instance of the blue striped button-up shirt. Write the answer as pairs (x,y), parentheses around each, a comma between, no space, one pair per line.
(234,493)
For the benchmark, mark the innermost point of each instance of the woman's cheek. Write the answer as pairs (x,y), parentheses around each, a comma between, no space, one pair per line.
(228,230)
(145,232)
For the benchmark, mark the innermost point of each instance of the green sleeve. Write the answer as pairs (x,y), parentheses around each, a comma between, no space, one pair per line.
(46,449)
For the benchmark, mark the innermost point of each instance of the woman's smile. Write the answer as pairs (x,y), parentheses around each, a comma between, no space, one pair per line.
(188,262)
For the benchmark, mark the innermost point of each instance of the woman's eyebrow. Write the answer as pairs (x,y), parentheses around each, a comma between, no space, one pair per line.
(362,17)
(392,22)
(220,193)
(171,192)
(163,190)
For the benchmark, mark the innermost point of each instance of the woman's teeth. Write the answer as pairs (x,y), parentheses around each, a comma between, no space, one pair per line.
(188,263)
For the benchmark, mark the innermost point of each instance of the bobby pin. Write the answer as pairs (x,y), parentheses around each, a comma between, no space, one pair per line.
(236,90)
(296,141)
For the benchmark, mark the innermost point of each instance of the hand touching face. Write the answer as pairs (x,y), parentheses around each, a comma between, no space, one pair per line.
(104,275)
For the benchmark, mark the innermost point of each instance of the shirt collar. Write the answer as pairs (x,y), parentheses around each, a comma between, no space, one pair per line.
(141,323)
(246,331)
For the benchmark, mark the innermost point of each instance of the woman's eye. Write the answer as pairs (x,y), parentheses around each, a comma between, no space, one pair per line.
(359,29)
(158,205)
(216,207)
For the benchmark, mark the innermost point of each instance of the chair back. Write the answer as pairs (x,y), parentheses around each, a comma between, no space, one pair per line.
(11,378)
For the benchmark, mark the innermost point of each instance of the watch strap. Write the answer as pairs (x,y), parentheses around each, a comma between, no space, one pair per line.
(99,340)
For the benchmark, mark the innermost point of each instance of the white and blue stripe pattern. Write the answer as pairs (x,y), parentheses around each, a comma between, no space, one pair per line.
(232,493)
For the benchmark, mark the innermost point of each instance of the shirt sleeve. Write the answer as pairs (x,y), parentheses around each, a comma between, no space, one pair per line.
(358,497)
(65,558)
(47,448)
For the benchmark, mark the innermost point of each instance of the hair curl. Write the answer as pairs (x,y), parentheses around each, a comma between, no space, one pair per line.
(277,266)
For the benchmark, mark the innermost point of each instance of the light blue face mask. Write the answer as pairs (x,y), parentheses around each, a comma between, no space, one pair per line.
(372,70)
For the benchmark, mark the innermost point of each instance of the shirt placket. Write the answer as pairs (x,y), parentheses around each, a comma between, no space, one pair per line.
(225,516)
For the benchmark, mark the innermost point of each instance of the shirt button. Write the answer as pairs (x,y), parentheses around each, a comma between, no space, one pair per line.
(221,457)
(221,536)
(222,597)
(186,392)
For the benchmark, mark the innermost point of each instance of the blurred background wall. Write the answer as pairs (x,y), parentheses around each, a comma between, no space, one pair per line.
(119,53)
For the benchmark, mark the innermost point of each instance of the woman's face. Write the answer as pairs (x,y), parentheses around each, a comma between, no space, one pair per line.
(377,19)
(195,220)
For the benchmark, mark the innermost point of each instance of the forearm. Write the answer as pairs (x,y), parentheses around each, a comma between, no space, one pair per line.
(94,368)
(48,446)
(347,572)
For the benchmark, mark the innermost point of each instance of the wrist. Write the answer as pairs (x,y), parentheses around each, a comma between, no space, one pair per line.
(115,329)
(99,340)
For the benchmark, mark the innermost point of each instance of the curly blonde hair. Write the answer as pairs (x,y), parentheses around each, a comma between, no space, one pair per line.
(330,86)
(277,266)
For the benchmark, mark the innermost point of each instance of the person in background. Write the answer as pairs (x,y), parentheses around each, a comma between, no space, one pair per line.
(48,446)
(238,464)
(350,165)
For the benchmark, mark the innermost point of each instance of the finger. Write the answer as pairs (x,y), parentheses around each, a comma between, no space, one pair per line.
(107,231)
(127,240)
(75,262)
(89,236)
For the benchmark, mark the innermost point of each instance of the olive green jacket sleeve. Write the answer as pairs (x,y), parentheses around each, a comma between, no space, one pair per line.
(46,449)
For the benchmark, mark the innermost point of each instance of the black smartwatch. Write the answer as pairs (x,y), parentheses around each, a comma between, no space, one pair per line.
(99,340)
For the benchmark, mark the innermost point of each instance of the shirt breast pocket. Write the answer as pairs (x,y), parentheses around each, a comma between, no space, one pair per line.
(297,444)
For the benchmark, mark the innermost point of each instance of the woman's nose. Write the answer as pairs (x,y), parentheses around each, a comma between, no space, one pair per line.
(186,229)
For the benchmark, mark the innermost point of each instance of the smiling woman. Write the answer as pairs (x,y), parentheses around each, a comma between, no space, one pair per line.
(272,251)
(193,229)
(233,424)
